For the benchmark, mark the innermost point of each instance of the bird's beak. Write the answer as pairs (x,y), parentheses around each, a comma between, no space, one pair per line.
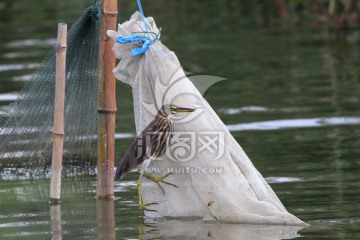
(181,109)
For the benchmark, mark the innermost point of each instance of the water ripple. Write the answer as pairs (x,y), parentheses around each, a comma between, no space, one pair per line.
(32,42)
(234,111)
(279,124)
(294,123)
(8,97)
(22,78)
(283,179)
(19,66)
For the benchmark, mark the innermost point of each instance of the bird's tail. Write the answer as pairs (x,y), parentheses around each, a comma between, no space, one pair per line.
(127,164)
(119,174)
(129,161)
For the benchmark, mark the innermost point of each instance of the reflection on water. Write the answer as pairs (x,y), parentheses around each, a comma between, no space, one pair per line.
(63,226)
(55,215)
(106,219)
(25,208)
(81,216)
(198,229)
(299,87)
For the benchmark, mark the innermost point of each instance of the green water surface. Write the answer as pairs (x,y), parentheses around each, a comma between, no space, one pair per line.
(292,96)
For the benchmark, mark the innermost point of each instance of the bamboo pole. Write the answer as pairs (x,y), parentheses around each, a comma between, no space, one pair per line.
(106,103)
(58,130)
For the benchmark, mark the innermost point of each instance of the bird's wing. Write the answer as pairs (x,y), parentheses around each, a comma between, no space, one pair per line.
(135,154)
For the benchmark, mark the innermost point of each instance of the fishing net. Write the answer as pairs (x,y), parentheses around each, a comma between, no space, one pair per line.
(215,178)
(26,125)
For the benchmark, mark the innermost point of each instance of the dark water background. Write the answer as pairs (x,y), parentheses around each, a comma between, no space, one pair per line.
(291,99)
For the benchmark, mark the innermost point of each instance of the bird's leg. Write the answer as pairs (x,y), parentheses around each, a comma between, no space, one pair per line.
(158,180)
(143,206)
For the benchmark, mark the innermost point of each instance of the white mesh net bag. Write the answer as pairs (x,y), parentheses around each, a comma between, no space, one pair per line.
(215,178)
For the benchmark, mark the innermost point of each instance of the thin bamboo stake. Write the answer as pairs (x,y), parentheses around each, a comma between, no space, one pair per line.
(332,11)
(58,130)
(332,8)
(280,5)
(344,17)
(106,103)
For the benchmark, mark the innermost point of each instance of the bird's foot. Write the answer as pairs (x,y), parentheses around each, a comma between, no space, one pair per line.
(143,207)
(159,180)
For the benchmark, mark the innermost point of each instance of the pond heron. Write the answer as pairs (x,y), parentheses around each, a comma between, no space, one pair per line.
(151,143)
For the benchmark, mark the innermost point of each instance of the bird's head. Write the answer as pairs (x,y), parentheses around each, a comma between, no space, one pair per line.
(168,109)
(175,109)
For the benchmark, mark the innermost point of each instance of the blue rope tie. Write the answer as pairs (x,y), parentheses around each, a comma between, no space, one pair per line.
(143,17)
(135,38)
(144,41)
